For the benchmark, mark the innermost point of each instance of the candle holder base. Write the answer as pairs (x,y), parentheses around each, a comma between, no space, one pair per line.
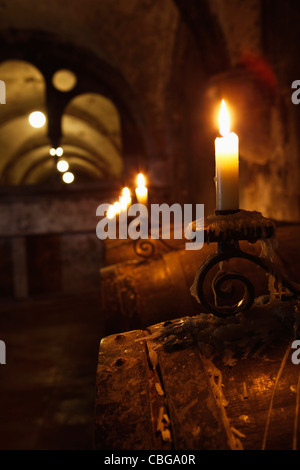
(227,229)
(226,211)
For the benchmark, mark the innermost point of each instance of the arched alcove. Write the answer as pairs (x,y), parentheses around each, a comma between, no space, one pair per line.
(112,146)
(21,144)
(92,138)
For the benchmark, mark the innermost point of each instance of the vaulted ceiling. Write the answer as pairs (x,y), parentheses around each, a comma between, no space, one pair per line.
(105,120)
(90,126)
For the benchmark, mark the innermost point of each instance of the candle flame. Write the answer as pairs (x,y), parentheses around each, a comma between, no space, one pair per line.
(126,192)
(111,212)
(117,207)
(141,180)
(125,199)
(224,121)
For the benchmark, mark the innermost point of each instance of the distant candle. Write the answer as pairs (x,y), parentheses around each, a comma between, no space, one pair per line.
(227,164)
(126,192)
(111,212)
(141,191)
(125,199)
(117,207)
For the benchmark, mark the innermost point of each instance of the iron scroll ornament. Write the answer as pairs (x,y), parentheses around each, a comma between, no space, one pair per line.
(146,248)
(228,250)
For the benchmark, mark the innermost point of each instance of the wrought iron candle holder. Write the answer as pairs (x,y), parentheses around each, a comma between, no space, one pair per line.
(148,249)
(227,229)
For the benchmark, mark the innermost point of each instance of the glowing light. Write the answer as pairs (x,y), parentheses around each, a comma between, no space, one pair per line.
(111,212)
(141,191)
(126,192)
(62,166)
(141,180)
(64,80)
(59,151)
(68,177)
(37,119)
(125,199)
(123,203)
(117,207)
(52,152)
(224,120)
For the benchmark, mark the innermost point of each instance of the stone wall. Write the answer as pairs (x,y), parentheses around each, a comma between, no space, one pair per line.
(48,242)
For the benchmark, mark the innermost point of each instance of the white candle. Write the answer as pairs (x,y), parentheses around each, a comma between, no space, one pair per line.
(141,191)
(227,164)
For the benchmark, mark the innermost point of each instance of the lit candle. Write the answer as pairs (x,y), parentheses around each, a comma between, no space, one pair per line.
(141,191)
(126,192)
(117,207)
(111,212)
(227,164)
(125,199)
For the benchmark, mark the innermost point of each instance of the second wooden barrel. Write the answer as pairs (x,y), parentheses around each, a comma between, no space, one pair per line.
(201,383)
(136,293)
(118,251)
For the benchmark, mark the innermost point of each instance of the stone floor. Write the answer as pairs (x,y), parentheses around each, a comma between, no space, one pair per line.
(47,386)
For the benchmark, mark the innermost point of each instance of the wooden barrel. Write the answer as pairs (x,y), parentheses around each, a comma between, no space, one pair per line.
(140,292)
(201,383)
(136,294)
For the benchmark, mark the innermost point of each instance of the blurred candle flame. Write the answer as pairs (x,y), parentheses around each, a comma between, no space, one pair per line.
(117,207)
(126,192)
(141,191)
(111,212)
(141,180)
(125,199)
